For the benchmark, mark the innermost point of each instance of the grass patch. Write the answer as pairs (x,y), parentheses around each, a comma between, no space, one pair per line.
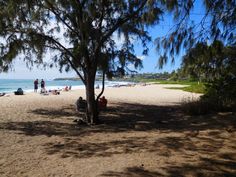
(194,87)
(199,88)
(181,82)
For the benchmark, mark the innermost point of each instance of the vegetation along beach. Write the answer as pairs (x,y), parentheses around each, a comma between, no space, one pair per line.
(123,88)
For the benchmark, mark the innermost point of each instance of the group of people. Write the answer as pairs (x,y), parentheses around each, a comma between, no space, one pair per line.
(42,84)
(44,91)
(81,104)
(67,88)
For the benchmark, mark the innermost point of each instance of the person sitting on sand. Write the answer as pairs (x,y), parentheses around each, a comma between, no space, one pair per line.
(81,104)
(55,92)
(102,103)
(43,90)
(66,88)
(2,94)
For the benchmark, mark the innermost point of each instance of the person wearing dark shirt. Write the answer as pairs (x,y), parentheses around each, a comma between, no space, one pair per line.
(36,85)
(42,84)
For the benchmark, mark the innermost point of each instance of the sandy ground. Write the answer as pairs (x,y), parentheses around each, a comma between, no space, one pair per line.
(144,133)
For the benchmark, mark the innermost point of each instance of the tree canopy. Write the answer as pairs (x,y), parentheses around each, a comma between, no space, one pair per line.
(218,21)
(33,27)
(210,62)
(79,34)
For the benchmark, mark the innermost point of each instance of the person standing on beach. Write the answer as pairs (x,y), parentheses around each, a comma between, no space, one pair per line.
(42,84)
(36,85)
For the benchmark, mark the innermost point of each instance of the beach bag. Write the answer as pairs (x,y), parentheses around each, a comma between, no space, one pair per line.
(19,91)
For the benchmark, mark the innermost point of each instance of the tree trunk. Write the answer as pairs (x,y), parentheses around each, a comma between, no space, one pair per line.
(92,110)
(103,86)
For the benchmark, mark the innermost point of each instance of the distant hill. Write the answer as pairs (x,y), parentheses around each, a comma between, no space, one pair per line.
(67,78)
(139,77)
(72,78)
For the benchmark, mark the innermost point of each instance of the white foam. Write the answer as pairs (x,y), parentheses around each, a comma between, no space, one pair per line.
(77,87)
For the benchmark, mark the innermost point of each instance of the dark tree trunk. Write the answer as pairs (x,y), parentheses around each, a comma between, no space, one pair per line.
(103,86)
(92,110)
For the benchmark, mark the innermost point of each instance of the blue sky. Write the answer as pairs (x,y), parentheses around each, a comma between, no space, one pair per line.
(149,62)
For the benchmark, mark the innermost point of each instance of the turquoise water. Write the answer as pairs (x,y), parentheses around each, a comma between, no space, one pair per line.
(11,85)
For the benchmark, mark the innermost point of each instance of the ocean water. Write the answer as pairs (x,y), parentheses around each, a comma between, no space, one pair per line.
(11,85)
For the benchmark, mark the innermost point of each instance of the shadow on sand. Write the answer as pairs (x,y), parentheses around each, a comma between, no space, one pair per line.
(122,118)
(133,171)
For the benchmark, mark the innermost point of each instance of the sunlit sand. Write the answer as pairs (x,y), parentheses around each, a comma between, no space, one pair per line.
(39,138)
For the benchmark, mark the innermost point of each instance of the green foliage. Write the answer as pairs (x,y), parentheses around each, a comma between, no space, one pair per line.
(196,88)
(216,65)
(191,87)
(196,107)
(33,28)
(208,105)
(218,23)
(167,78)
(208,62)
(222,92)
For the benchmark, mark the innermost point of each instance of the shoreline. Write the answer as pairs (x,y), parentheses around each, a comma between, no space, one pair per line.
(63,84)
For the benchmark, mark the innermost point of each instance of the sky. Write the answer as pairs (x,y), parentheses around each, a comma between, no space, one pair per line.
(20,71)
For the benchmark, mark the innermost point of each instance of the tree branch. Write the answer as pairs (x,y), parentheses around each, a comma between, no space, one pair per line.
(63,48)
(62,20)
(122,21)
(119,22)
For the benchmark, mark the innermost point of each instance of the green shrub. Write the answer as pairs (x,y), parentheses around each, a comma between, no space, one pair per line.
(206,106)
(196,107)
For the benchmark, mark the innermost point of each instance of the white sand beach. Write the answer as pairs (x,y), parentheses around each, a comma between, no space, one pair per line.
(39,138)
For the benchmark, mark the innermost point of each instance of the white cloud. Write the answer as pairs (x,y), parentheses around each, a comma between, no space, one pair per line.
(22,72)
(119,40)
(141,57)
